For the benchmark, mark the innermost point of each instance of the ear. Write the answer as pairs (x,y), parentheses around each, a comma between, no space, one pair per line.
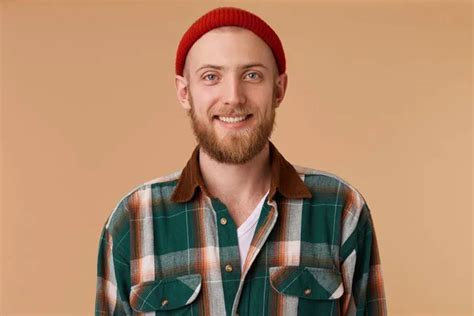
(281,84)
(182,92)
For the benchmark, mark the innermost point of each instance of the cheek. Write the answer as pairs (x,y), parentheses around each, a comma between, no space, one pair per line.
(204,99)
(261,93)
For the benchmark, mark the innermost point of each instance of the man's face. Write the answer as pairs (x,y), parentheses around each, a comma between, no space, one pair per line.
(233,89)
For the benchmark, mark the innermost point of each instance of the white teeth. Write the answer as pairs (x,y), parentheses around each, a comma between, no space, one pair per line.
(232,119)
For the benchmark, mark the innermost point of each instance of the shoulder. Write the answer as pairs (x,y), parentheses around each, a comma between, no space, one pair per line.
(319,180)
(158,188)
(330,189)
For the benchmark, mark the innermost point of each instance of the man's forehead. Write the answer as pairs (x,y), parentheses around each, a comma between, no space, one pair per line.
(229,28)
(241,51)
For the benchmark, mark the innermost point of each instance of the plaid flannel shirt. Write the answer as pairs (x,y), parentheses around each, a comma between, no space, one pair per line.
(170,248)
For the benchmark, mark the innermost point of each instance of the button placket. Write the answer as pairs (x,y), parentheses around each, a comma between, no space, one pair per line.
(229,256)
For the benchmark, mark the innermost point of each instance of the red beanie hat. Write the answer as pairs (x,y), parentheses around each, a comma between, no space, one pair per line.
(228,16)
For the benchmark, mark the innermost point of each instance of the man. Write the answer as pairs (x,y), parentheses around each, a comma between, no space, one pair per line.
(239,230)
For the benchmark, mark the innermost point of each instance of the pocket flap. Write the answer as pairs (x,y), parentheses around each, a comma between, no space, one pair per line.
(165,294)
(307,282)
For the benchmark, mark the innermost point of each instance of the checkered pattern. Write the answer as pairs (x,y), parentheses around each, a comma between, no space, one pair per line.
(309,256)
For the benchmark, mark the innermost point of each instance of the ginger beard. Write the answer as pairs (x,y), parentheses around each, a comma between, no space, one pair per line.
(236,147)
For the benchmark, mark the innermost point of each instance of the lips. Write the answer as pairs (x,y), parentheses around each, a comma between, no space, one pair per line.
(232,116)
(232,121)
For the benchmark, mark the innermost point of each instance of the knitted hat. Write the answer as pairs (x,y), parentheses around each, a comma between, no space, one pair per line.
(228,16)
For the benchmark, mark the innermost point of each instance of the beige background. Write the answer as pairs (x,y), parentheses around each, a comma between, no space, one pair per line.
(380,93)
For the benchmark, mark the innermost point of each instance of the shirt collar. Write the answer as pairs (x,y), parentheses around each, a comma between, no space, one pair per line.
(284,179)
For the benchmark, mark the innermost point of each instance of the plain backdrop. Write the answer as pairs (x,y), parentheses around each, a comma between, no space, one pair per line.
(380,93)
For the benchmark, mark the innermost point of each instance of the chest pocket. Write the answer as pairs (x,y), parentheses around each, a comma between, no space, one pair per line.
(168,294)
(307,282)
(303,290)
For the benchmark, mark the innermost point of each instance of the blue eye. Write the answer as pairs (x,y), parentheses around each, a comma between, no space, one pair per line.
(253,75)
(210,77)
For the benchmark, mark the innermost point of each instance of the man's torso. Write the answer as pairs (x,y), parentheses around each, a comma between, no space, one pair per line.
(184,257)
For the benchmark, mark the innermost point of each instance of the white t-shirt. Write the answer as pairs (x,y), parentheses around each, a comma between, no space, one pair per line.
(247,229)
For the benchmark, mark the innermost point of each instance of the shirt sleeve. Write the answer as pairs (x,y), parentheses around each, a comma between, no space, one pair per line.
(113,279)
(364,292)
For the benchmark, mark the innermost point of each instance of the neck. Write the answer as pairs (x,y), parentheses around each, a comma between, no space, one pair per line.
(237,182)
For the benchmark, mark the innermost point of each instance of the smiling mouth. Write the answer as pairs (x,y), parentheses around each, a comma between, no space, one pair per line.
(232,119)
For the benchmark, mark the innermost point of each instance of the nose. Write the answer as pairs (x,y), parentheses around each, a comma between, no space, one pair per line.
(234,92)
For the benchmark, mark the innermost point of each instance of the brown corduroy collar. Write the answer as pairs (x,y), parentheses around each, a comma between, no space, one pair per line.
(285,179)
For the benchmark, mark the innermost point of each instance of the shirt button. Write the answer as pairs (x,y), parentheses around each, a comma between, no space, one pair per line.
(164,302)
(223,220)
(307,292)
(228,268)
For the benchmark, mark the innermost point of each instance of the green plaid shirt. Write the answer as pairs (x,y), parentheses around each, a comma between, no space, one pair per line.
(170,248)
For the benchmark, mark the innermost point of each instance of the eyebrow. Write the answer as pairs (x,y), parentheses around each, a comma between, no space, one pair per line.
(251,65)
